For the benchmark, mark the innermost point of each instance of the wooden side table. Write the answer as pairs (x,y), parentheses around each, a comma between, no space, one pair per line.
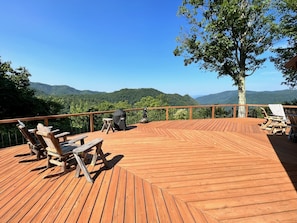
(107,124)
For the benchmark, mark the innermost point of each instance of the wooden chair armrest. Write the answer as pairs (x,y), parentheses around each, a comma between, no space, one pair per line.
(55,130)
(32,130)
(72,141)
(62,135)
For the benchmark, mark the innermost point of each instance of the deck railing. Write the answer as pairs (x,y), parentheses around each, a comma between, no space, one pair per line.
(92,121)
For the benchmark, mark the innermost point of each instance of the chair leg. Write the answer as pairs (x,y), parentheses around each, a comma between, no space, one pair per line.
(31,149)
(38,156)
(48,161)
(63,166)
(266,124)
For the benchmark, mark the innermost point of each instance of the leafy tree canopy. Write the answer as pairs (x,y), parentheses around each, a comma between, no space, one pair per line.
(150,101)
(287,31)
(226,36)
(17,99)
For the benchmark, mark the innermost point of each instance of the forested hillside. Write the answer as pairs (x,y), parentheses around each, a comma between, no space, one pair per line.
(45,89)
(131,96)
(134,95)
(253,97)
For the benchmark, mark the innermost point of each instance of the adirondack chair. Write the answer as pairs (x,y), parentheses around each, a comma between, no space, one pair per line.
(35,142)
(61,154)
(277,122)
(58,153)
(36,146)
(269,118)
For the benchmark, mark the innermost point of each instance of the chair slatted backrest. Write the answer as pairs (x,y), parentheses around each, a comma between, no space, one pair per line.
(27,135)
(40,139)
(51,141)
(277,110)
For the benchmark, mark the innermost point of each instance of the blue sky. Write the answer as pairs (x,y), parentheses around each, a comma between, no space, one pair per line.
(108,46)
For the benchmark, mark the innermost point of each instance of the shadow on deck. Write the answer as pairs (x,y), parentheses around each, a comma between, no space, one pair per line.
(286,151)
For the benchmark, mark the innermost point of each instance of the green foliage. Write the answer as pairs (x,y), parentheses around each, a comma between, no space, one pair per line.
(83,106)
(17,99)
(45,89)
(122,105)
(125,98)
(201,113)
(221,112)
(150,101)
(79,107)
(226,36)
(130,95)
(287,30)
(181,114)
(255,112)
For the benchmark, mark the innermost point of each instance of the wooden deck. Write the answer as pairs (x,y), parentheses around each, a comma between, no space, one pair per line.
(212,170)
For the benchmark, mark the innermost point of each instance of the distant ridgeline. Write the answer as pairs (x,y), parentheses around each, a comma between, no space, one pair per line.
(134,95)
(130,95)
(252,97)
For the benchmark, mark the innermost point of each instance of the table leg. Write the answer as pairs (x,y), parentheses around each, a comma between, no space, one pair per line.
(95,156)
(82,166)
(103,126)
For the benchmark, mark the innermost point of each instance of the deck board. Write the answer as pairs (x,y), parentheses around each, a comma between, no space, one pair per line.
(210,170)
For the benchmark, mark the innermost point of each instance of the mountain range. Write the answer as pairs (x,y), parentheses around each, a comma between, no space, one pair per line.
(226,97)
(130,95)
(252,97)
(46,89)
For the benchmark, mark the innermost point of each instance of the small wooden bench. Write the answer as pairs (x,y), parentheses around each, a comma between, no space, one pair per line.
(84,149)
(107,124)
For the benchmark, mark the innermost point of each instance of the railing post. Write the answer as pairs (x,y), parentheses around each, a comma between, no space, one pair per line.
(234,111)
(191,113)
(246,110)
(167,113)
(91,122)
(213,108)
(46,121)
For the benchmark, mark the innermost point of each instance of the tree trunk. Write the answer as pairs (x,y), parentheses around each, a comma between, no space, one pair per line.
(241,96)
